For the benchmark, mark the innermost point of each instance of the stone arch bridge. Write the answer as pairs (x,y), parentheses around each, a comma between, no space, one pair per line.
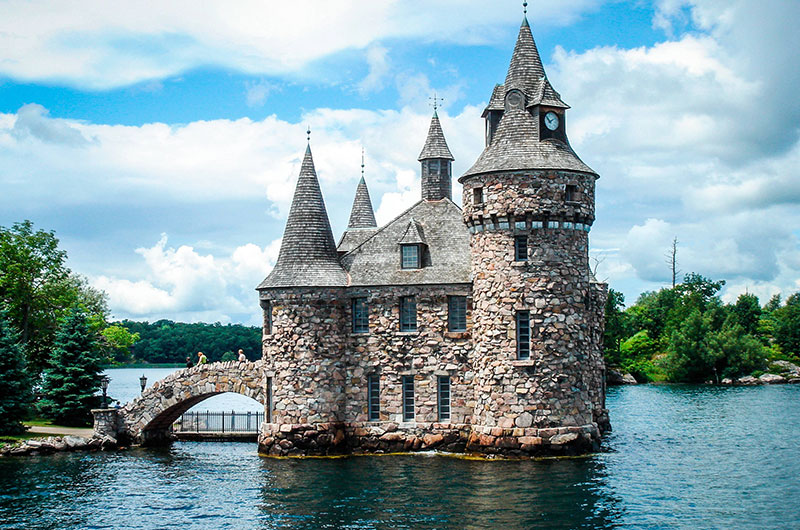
(147,419)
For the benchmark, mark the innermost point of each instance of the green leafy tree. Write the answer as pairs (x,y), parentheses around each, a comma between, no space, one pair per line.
(229,356)
(748,313)
(73,378)
(787,326)
(689,357)
(615,326)
(15,384)
(735,353)
(118,342)
(31,266)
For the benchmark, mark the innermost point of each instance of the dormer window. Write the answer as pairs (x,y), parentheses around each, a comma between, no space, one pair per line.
(409,256)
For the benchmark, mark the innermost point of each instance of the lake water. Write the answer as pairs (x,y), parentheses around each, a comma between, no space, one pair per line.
(679,457)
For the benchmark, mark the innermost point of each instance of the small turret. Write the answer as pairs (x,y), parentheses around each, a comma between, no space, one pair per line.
(362,222)
(436,162)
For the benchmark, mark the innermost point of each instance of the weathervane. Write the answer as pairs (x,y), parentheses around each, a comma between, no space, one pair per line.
(436,101)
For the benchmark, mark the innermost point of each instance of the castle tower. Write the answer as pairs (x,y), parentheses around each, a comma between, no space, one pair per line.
(436,161)
(538,312)
(302,299)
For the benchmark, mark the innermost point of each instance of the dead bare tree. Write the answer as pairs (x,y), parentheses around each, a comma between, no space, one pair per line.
(672,261)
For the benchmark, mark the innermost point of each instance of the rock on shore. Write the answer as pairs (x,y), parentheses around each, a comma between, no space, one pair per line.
(56,444)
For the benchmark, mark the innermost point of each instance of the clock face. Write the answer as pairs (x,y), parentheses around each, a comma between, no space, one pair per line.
(551,121)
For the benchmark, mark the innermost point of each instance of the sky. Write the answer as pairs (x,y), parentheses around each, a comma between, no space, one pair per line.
(161,141)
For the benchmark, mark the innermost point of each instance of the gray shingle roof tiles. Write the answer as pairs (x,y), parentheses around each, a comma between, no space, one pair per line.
(435,144)
(447,259)
(308,254)
(362,215)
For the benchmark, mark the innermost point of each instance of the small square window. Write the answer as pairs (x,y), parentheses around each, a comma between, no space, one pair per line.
(408,313)
(571,193)
(521,248)
(456,313)
(520,225)
(477,195)
(536,224)
(360,315)
(410,256)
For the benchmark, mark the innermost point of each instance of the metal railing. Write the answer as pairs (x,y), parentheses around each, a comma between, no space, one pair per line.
(219,422)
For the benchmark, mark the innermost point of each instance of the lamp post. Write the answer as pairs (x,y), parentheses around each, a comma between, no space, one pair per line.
(104,380)
(143,382)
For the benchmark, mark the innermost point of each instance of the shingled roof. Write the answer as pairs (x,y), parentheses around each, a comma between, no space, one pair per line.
(438,224)
(525,69)
(362,215)
(308,254)
(435,144)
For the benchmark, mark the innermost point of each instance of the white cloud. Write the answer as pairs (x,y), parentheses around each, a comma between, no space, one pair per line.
(111,44)
(378,61)
(256,93)
(195,286)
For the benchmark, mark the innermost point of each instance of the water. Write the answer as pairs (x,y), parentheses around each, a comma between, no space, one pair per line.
(679,457)
(124,387)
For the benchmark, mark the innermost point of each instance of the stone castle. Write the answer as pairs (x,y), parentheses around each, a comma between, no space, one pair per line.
(473,330)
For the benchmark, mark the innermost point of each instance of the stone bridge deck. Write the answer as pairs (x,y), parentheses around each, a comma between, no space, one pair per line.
(147,418)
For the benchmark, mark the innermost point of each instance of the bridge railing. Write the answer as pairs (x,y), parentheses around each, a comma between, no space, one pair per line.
(219,422)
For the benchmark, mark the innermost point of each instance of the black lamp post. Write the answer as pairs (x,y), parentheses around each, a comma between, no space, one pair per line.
(143,382)
(104,380)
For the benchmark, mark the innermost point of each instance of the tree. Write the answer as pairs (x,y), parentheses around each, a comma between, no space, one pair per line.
(672,261)
(15,384)
(229,356)
(615,325)
(31,266)
(118,342)
(73,378)
(787,325)
(689,357)
(748,312)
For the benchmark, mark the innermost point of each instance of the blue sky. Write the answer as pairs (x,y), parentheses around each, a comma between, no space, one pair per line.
(161,142)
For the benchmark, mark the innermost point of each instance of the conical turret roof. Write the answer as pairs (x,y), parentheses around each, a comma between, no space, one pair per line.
(308,253)
(362,215)
(525,70)
(435,144)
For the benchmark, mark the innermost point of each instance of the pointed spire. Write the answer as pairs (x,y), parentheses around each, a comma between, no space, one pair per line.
(308,253)
(435,144)
(525,70)
(362,214)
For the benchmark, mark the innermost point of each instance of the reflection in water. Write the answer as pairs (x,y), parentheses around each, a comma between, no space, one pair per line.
(679,457)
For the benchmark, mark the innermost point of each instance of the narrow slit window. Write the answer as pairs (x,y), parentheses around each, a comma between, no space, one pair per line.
(408,398)
(269,400)
(408,313)
(444,398)
(374,397)
(477,195)
(523,335)
(409,256)
(433,167)
(456,313)
(360,315)
(521,248)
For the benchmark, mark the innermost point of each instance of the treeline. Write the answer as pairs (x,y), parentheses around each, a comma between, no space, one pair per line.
(165,341)
(687,334)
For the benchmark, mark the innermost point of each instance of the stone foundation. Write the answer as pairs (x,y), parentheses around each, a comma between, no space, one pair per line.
(361,438)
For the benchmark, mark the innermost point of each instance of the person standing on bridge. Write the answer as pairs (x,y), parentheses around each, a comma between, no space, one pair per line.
(201,358)
(242,357)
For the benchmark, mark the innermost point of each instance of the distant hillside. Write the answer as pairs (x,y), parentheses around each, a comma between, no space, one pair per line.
(166,341)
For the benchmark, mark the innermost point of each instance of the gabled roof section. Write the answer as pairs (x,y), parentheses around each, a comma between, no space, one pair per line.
(516,146)
(308,254)
(548,96)
(413,234)
(497,101)
(362,215)
(376,261)
(435,144)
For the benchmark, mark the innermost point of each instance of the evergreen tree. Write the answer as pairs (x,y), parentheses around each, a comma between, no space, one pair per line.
(787,326)
(73,378)
(15,384)
(748,312)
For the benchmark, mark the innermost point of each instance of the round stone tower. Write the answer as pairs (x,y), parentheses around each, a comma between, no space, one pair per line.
(538,311)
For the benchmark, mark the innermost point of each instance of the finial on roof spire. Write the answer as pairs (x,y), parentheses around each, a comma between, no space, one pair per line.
(525,8)
(436,101)
(308,134)
(362,162)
